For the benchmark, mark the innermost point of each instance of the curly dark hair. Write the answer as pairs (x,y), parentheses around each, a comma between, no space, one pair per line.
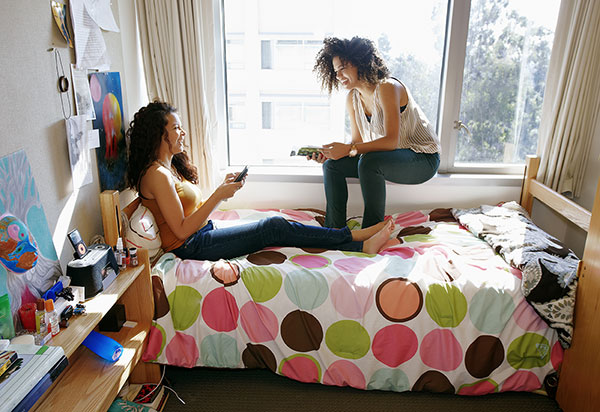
(358,51)
(145,133)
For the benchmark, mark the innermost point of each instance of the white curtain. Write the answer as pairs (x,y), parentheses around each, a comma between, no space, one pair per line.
(572,97)
(178,48)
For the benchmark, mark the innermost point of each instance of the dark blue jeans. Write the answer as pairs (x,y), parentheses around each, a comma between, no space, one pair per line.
(209,243)
(373,169)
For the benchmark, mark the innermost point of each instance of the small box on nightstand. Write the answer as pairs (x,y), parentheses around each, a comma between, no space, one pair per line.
(114,319)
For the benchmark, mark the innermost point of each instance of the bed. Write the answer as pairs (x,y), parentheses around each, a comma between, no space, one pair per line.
(451,305)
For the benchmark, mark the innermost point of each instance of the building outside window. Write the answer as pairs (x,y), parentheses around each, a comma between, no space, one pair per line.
(477,68)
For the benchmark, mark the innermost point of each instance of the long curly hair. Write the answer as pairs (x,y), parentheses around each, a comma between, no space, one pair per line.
(358,51)
(145,133)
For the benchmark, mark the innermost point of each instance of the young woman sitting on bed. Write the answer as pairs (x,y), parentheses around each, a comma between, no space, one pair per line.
(161,172)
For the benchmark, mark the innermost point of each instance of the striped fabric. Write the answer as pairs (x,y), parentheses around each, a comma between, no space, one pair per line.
(416,132)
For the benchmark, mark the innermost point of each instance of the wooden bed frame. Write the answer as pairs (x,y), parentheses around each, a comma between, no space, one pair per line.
(580,373)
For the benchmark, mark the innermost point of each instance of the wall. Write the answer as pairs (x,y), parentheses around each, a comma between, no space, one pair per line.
(32,118)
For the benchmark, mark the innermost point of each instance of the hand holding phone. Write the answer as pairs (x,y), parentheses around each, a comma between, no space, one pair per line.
(242,174)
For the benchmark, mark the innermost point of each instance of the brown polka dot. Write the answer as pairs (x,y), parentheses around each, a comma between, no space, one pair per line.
(433,381)
(225,272)
(301,331)
(399,300)
(161,303)
(259,357)
(320,220)
(413,230)
(441,215)
(266,257)
(484,355)
(313,250)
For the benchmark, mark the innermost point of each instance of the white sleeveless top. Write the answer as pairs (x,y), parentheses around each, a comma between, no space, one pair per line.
(415,132)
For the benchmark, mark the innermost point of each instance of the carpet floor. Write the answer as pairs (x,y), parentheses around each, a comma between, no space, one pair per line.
(250,390)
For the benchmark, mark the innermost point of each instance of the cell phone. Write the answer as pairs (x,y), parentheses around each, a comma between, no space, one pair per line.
(77,242)
(306,151)
(242,174)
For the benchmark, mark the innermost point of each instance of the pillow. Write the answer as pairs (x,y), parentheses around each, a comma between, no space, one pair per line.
(142,231)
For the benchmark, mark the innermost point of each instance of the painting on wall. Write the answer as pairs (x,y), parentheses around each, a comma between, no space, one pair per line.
(105,88)
(29,265)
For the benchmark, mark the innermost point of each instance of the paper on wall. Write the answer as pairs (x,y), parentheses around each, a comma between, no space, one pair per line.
(79,153)
(101,13)
(90,49)
(83,97)
(93,139)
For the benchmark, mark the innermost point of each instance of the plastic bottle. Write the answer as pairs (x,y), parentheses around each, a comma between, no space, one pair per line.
(51,317)
(120,254)
(134,256)
(40,317)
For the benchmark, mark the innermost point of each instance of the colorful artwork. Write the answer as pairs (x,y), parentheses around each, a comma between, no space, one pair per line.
(105,88)
(29,264)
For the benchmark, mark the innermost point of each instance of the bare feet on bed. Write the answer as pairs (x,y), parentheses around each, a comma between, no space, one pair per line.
(376,242)
(363,234)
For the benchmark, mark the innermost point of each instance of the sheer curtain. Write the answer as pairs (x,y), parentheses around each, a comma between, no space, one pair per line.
(572,97)
(178,50)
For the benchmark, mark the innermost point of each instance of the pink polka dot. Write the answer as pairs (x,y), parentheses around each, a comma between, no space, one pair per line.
(556,356)
(410,219)
(155,341)
(310,261)
(351,298)
(440,350)
(220,310)
(434,249)
(516,272)
(301,368)
(298,215)
(267,210)
(526,317)
(521,381)
(182,350)
(190,271)
(259,322)
(478,388)
(394,345)
(224,215)
(352,265)
(344,373)
(403,252)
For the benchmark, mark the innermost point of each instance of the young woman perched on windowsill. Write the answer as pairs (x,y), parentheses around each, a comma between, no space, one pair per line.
(391,136)
(160,170)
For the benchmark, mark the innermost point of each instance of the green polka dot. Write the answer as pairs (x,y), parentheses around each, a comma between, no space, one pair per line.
(184,302)
(418,238)
(389,380)
(528,351)
(358,254)
(446,305)
(353,224)
(348,339)
(490,310)
(262,282)
(301,355)
(307,289)
(219,351)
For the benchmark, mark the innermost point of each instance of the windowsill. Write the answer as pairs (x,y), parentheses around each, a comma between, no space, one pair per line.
(314,175)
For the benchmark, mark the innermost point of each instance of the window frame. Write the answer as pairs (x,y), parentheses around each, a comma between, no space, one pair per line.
(451,82)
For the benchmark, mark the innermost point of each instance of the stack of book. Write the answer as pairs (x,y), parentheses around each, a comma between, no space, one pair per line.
(27,372)
(148,395)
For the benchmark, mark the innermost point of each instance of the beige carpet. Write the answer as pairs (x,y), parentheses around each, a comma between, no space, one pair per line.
(204,389)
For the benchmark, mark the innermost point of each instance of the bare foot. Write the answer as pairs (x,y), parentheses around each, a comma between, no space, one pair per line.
(376,242)
(363,234)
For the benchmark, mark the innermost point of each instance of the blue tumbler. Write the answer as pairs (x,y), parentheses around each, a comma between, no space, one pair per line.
(103,346)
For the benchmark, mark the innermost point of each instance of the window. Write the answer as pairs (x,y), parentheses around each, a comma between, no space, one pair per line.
(477,68)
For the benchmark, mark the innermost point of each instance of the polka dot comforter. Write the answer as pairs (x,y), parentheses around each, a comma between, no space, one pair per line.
(436,310)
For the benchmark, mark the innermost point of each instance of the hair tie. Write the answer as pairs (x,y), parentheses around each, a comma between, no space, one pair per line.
(63,84)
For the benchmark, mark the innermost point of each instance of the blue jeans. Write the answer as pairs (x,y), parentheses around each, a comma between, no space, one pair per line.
(373,169)
(209,243)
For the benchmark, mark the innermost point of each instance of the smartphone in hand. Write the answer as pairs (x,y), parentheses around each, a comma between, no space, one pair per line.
(242,174)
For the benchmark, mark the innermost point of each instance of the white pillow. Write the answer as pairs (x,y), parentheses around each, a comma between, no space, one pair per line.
(142,231)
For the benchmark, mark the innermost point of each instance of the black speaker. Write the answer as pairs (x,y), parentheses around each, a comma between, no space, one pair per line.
(95,271)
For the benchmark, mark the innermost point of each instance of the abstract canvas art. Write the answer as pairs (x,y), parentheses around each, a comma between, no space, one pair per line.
(29,265)
(111,156)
